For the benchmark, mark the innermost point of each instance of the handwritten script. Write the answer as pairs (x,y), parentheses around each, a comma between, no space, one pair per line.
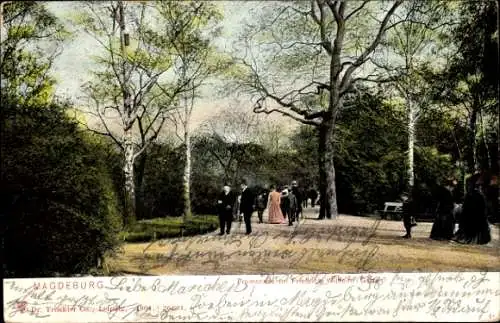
(454,296)
(298,246)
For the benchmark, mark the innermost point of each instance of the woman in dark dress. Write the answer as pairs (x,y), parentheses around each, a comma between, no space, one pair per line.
(444,223)
(474,227)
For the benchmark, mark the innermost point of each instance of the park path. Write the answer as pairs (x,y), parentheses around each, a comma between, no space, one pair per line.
(346,244)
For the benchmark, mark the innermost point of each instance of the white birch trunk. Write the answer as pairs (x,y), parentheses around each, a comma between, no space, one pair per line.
(187,174)
(128,170)
(411,143)
(485,140)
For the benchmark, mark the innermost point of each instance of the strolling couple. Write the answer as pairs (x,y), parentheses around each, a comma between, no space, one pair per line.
(227,206)
(473,226)
(285,204)
(472,216)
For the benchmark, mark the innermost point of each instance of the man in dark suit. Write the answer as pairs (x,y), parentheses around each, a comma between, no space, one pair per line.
(298,195)
(292,208)
(261,204)
(247,206)
(226,203)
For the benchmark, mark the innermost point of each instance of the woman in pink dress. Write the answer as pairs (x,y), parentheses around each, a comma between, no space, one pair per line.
(273,207)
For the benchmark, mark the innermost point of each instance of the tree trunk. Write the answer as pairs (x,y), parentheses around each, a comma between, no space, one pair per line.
(411,144)
(187,177)
(140,168)
(327,189)
(128,170)
(472,158)
(128,145)
(484,136)
(328,194)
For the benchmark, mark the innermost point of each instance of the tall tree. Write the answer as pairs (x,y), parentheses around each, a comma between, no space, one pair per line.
(135,84)
(31,39)
(476,66)
(415,47)
(296,41)
(469,85)
(197,61)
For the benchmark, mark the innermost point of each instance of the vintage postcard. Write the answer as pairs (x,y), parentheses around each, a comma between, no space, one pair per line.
(250,161)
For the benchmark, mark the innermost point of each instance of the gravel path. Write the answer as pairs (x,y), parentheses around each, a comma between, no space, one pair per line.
(346,244)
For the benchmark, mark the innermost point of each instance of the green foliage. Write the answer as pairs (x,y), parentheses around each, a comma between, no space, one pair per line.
(32,41)
(468,87)
(444,131)
(370,159)
(477,48)
(169,56)
(207,178)
(433,166)
(113,160)
(161,190)
(60,205)
(170,227)
(174,31)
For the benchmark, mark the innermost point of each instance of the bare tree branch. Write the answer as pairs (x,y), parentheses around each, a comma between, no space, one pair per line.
(346,79)
(321,22)
(290,104)
(104,123)
(337,8)
(174,121)
(258,108)
(355,11)
(424,24)
(151,139)
(109,36)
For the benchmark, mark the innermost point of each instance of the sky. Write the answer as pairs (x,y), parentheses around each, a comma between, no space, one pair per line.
(72,66)
(74,62)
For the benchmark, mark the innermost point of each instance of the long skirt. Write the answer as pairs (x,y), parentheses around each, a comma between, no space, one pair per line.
(443,227)
(275,214)
(477,232)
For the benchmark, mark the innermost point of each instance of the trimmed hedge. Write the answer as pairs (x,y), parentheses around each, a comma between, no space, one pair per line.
(169,227)
(59,205)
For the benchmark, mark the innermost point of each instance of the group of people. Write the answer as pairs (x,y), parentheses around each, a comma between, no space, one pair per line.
(472,215)
(284,205)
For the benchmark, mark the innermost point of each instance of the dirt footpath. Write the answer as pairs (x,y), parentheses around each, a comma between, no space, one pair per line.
(346,244)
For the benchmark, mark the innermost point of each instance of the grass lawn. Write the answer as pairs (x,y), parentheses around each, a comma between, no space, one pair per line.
(169,227)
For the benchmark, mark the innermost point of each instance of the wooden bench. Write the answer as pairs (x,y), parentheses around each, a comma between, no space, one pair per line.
(392,209)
